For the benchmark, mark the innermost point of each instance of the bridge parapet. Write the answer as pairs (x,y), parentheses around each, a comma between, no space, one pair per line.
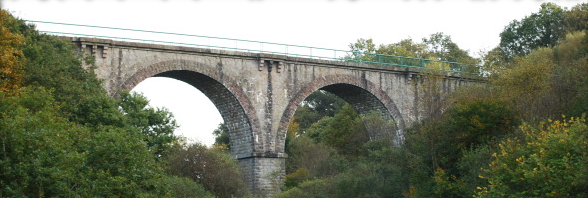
(210,42)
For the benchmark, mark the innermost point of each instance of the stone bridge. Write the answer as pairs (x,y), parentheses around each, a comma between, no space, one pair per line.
(257,94)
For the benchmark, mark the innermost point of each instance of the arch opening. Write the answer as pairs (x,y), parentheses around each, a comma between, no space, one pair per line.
(344,118)
(372,105)
(372,111)
(195,114)
(232,112)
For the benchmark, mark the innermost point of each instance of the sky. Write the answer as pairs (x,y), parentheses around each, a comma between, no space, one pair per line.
(474,25)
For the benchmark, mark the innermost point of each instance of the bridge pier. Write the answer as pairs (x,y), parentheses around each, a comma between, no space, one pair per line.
(264,175)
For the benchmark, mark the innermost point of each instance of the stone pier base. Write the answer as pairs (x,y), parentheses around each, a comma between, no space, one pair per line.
(263,175)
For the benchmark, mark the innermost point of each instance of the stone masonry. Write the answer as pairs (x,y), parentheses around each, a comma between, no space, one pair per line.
(257,94)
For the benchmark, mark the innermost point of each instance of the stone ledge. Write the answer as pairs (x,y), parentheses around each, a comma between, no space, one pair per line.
(261,155)
(265,56)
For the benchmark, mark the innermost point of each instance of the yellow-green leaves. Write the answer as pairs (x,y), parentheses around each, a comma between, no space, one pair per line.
(10,54)
(547,161)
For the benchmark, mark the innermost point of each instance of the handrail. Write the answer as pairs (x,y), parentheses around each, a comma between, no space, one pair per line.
(274,48)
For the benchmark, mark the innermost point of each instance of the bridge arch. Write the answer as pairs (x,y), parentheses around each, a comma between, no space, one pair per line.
(364,96)
(228,97)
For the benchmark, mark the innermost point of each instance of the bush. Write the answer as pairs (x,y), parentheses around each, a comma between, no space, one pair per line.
(214,169)
(548,161)
(182,187)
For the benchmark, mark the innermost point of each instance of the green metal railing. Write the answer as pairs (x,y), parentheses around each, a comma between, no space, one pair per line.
(189,40)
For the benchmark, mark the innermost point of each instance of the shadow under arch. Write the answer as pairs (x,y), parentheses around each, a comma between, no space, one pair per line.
(227,97)
(361,94)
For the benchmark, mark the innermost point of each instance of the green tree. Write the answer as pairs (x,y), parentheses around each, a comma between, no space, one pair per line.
(366,50)
(39,156)
(213,168)
(542,29)
(60,70)
(324,103)
(157,125)
(576,19)
(44,154)
(362,49)
(547,161)
(119,163)
(437,47)
(526,85)
(450,145)
(383,172)
(406,48)
(182,187)
(493,62)
(316,106)
(63,136)
(441,46)
(221,136)
(345,132)
(315,157)
(547,82)
(480,121)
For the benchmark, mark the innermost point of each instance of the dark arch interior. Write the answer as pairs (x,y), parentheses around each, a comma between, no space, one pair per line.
(365,103)
(240,131)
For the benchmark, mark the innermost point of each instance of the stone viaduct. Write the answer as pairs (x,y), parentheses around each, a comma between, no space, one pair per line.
(257,94)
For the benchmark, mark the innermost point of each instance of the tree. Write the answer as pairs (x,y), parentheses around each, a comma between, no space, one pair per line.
(63,136)
(547,161)
(214,169)
(11,60)
(345,132)
(456,143)
(441,46)
(437,47)
(156,125)
(60,69)
(542,29)
(44,154)
(324,103)
(318,159)
(363,50)
(480,121)
(221,136)
(38,156)
(183,187)
(120,163)
(317,105)
(384,171)
(526,84)
(406,48)
(576,19)
(492,62)
(547,82)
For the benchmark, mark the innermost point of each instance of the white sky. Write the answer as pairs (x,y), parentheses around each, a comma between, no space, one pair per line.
(473,24)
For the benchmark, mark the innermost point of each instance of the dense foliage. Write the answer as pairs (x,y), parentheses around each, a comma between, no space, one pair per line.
(505,138)
(215,169)
(61,135)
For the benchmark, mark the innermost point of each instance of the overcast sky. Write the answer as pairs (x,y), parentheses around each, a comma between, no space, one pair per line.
(473,25)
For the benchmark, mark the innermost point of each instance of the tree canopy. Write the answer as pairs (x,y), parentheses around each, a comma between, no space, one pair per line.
(61,135)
